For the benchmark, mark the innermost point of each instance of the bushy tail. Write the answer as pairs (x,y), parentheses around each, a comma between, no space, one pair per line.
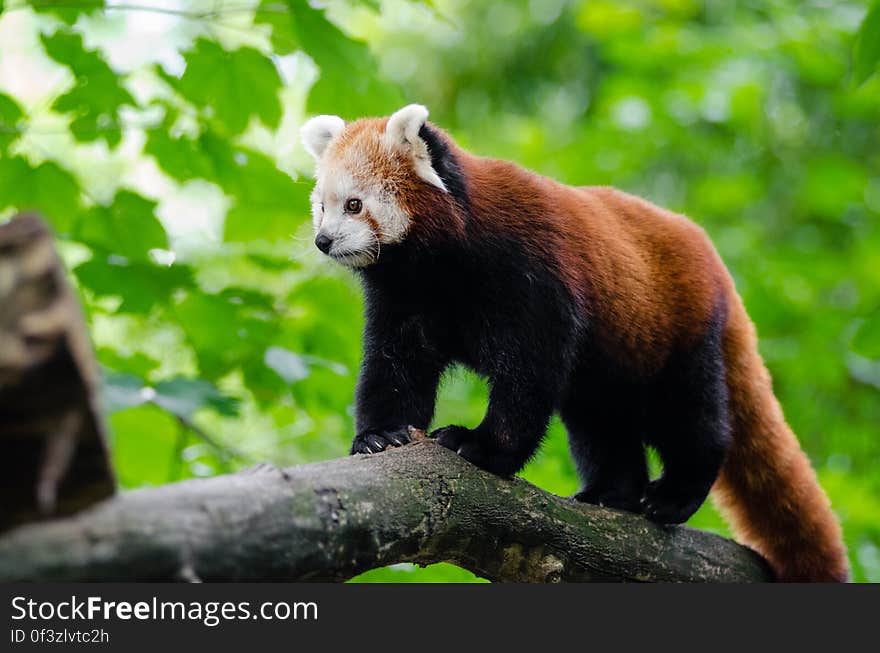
(767,487)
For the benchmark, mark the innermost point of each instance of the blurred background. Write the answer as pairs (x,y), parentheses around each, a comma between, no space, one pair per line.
(160,140)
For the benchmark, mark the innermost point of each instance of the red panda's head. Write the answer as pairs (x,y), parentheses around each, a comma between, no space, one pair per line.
(366,176)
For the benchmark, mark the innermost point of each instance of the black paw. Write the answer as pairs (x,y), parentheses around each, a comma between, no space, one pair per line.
(468,444)
(452,437)
(631,501)
(671,503)
(376,441)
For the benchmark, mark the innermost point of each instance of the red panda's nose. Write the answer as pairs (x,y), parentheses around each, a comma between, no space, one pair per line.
(323,242)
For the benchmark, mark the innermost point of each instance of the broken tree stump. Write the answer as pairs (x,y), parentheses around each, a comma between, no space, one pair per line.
(53,450)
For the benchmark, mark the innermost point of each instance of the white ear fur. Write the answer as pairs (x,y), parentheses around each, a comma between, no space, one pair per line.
(317,133)
(403,127)
(402,132)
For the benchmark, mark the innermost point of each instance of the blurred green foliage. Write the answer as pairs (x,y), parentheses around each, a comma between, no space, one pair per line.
(160,140)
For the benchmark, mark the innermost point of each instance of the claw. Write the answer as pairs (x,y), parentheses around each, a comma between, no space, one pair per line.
(371,442)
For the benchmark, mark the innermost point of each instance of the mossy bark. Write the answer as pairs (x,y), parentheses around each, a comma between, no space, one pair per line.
(332,520)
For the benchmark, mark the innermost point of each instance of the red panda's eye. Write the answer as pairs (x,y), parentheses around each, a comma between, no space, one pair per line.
(353,206)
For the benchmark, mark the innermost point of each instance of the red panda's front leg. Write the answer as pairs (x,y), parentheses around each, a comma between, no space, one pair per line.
(397,385)
(520,407)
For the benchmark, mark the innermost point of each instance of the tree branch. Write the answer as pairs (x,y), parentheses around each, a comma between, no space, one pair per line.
(191,14)
(332,520)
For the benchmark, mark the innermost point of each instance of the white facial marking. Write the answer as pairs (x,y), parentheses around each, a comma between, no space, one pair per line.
(356,240)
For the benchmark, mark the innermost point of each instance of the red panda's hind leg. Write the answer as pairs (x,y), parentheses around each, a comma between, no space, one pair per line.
(689,426)
(618,475)
(604,438)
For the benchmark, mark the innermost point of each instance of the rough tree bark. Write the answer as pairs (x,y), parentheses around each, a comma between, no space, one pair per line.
(332,520)
(54,457)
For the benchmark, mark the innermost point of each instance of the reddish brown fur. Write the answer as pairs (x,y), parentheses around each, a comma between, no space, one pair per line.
(360,150)
(651,277)
(654,278)
(767,487)
(651,280)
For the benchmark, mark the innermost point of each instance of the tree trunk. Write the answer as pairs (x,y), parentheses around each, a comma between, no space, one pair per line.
(54,456)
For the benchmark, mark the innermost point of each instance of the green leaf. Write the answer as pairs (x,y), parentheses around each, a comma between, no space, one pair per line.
(97,94)
(10,115)
(235,85)
(46,188)
(253,299)
(206,157)
(138,363)
(867,339)
(183,397)
(293,367)
(180,396)
(289,366)
(224,334)
(121,391)
(141,285)
(228,334)
(269,205)
(68,10)
(348,84)
(128,227)
(867,48)
(283,38)
(145,442)
(271,263)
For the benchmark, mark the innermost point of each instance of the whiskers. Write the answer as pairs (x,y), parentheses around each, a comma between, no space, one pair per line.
(353,250)
(304,249)
(378,251)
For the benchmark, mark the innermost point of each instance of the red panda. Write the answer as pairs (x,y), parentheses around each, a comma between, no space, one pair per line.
(587,302)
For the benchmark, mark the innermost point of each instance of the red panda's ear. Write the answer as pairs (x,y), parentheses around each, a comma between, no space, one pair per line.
(317,133)
(402,133)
